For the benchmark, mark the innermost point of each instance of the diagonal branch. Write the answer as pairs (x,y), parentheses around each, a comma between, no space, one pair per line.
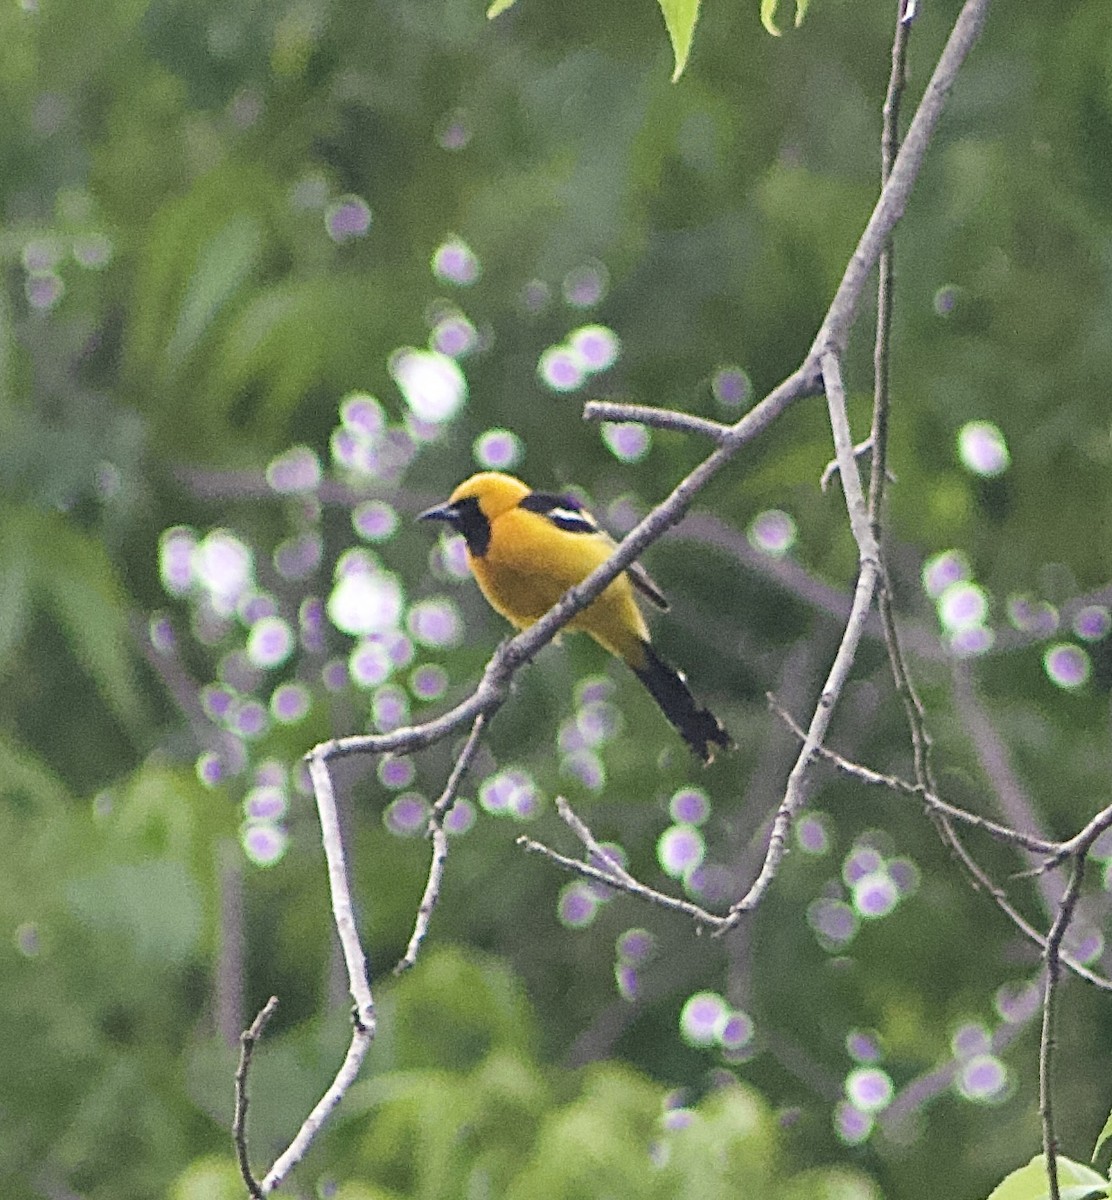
(439,861)
(363,1016)
(795,794)
(1066,909)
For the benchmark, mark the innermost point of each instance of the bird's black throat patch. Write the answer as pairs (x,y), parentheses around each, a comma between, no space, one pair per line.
(471,521)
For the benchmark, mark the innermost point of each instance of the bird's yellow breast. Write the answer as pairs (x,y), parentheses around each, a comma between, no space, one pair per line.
(530,564)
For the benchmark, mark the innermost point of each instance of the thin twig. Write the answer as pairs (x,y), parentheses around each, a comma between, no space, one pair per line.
(1002,833)
(439,859)
(658,418)
(886,276)
(831,468)
(363,1016)
(248,1039)
(590,843)
(1050,1011)
(1082,842)
(795,794)
(626,883)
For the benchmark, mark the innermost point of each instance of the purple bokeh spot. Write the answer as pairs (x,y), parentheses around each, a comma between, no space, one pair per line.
(585,286)
(497,448)
(560,369)
(1017,1003)
(810,833)
(731,387)
(875,895)
(217,701)
(862,1047)
(298,557)
(249,720)
(390,708)
(264,843)
(703,1016)
(1092,623)
(209,768)
(861,861)
(1067,665)
(161,633)
(374,520)
(577,906)
(851,1124)
(690,806)
(455,262)
(407,815)
(296,470)
(396,773)
(587,767)
(598,722)
(290,703)
(944,570)
(680,849)
(635,946)
(833,921)
(983,1078)
(429,682)
(460,818)
(627,441)
(628,981)
(347,218)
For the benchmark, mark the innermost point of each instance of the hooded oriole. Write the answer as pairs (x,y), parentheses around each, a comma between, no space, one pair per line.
(527,548)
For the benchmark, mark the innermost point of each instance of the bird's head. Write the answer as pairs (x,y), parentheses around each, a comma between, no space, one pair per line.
(475,503)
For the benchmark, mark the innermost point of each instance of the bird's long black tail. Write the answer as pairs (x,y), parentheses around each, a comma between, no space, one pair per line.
(698,726)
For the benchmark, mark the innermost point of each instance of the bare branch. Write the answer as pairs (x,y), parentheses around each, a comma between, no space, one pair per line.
(658,418)
(248,1039)
(820,369)
(439,860)
(1081,843)
(795,794)
(579,827)
(1002,833)
(624,882)
(363,1016)
(886,276)
(1066,910)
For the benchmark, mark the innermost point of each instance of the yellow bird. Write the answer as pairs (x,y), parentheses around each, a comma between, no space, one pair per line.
(527,548)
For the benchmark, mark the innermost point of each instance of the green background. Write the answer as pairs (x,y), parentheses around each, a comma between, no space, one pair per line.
(165,174)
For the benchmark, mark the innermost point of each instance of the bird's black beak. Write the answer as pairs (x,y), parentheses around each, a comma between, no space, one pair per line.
(441,512)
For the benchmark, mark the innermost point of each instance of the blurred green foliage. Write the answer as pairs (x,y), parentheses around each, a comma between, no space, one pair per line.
(175,313)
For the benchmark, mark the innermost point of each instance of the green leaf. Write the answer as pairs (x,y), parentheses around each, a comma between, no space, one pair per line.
(223,264)
(680,16)
(768,14)
(1102,1137)
(498,6)
(79,584)
(1030,1183)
